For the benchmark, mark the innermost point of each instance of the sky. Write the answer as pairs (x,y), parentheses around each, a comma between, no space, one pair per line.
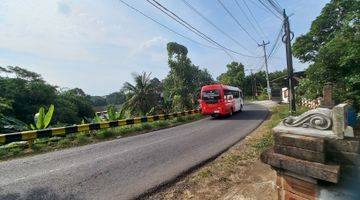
(97,45)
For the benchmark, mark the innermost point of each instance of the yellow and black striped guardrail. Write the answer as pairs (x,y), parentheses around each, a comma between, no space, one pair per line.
(63,131)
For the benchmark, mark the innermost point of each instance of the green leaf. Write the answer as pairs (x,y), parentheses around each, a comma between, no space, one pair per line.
(40,119)
(32,127)
(97,119)
(48,116)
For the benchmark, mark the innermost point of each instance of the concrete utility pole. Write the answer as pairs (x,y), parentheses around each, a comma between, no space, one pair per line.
(268,89)
(253,85)
(287,40)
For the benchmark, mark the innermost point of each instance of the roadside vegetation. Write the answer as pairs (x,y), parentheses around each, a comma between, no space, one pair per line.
(234,170)
(17,149)
(24,94)
(332,46)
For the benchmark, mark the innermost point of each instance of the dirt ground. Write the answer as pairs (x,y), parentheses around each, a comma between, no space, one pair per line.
(236,174)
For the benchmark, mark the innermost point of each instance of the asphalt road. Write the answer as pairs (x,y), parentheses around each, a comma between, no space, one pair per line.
(127,167)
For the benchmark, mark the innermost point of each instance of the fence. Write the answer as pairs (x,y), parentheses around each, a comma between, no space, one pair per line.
(63,131)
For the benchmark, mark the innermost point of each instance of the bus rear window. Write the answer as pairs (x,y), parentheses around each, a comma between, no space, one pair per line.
(210,96)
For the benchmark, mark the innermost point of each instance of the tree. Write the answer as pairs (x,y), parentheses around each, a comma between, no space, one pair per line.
(26,92)
(98,101)
(184,80)
(333,47)
(140,97)
(73,106)
(234,76)
(115,98)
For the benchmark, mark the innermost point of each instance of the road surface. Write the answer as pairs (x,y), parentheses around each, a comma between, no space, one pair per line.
(124,168)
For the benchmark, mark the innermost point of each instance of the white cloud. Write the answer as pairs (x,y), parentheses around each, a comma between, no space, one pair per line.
(153,48)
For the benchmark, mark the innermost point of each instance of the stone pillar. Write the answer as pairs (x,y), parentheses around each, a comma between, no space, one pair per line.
(327,101)
(309,151)
(339,115)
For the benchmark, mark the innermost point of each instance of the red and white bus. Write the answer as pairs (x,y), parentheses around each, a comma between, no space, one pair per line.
(221,100)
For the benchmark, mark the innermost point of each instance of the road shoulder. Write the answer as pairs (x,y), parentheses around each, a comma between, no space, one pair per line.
(235,174)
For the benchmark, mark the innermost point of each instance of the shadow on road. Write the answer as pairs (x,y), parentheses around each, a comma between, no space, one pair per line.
(39,194)
(245,115)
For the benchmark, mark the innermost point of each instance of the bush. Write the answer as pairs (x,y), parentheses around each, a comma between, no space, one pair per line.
(161,123)
(2,152)
(64,142)
(15,151)
(38,146)
(189,118)
(146,126)
(82,138)
(105,133)
(180,119)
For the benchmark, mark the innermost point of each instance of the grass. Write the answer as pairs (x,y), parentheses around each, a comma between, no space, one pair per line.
(49,144)
(278,113)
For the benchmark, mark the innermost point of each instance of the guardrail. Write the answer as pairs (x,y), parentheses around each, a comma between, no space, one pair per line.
(63,131)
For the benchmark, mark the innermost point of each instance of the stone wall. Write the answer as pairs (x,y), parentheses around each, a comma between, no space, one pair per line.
(310,152)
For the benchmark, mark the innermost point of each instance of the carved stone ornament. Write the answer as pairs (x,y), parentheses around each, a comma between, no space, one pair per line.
(319,118)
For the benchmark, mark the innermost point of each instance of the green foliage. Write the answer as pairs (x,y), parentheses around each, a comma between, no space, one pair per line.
(113,114)
(161,123)
(15,151)
(278,113)
(98,101)
(73,106)
(264,143)
(82,138)
(10,124)
(234,76)
(41,119)
(146,126)
(5,104)
(24,92)
(105,133)
(141,97)
(38,146)
(333,47)
(97,119)
(183,83)
(64,142)
(3,152)
(116,98)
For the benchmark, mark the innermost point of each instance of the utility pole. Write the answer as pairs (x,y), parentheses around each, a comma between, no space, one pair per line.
(287,40)
(268,89)
(253,84)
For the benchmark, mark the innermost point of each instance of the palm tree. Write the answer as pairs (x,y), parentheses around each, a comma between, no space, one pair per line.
(141,97)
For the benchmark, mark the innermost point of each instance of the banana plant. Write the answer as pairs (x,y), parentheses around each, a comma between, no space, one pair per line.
(112,114)
(41,119)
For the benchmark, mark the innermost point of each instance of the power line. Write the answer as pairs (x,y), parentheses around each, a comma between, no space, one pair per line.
(247,18)
(277,3)
(276,6)
(269,9)
(188,26)
(276,41)
(237,21)
(254,18)
(274,48)
(164,26)
(217,28)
